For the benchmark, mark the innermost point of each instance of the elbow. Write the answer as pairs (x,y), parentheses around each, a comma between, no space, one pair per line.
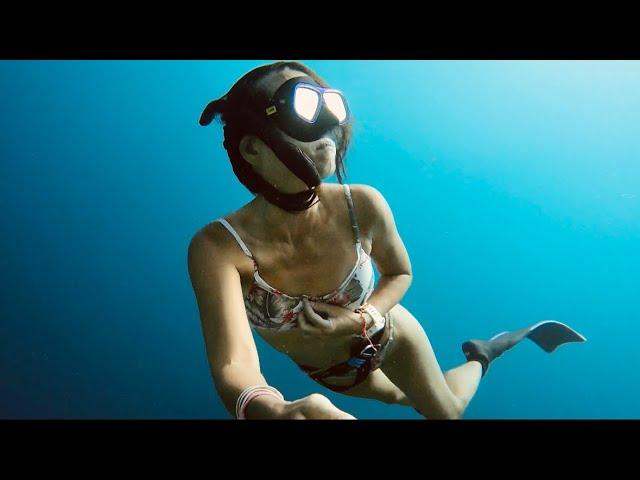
(231,372)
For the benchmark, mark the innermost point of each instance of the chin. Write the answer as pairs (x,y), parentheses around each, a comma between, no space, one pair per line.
(326,156)
(326,172)
(325,162)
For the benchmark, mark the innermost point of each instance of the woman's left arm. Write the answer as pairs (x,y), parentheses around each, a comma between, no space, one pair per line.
(387,248)
(392,261)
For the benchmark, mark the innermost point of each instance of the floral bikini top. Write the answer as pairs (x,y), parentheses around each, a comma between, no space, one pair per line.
(270,308)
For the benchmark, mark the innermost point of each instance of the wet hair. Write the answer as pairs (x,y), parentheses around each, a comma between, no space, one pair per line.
(247,93)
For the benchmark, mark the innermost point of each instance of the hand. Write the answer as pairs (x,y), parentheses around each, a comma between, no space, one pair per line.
(313,407)
(339,321)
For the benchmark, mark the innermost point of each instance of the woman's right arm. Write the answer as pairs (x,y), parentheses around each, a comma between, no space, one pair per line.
(231,350)
(232,353)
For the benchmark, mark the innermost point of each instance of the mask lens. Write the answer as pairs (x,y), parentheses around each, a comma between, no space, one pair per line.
(306,103)
(336,105)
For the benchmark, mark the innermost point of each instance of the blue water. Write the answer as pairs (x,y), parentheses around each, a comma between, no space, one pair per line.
(515,187)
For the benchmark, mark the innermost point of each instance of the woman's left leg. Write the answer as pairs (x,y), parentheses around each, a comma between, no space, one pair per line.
(412,366)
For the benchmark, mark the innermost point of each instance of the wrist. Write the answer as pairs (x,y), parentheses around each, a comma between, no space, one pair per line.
(253,392)
(359,317)
(372,318)
(264,407)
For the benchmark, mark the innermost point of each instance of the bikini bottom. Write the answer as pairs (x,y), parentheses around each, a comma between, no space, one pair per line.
(364,359)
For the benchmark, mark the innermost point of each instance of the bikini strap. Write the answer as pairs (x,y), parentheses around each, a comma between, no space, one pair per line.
(352,213)
(236,236)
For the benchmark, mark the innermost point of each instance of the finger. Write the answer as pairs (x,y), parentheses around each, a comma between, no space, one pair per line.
(307,328)
(326,407)
(320,407)
(302,319)
(327,310)
(342,415)
(337,414)
(334,412)
(314,318)
(347,417)
(303,324)
(324,308)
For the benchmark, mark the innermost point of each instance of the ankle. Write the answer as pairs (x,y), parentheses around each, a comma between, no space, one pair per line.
(479,365)
(476,351)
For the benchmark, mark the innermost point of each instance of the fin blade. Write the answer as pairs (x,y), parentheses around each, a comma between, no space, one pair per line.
(550,334)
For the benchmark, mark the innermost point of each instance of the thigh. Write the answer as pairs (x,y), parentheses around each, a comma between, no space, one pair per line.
(377,386)
(411,364)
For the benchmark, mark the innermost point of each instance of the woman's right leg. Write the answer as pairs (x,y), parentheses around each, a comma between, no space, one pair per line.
(412,366)
(378,387)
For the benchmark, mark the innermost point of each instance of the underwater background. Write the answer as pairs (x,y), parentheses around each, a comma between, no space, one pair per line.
(515,186)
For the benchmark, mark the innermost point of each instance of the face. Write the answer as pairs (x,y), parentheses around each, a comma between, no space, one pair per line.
(322,151)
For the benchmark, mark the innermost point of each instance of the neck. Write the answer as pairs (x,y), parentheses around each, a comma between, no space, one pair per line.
(289,226)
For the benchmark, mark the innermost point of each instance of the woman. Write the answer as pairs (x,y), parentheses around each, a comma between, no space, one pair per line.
(295,265)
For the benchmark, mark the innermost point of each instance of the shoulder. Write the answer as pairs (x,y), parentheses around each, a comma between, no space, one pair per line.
(210,245)
(366,194)
(215,236)
(372,208)
(368,199)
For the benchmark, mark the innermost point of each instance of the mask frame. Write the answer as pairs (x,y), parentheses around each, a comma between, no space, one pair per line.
(283,112)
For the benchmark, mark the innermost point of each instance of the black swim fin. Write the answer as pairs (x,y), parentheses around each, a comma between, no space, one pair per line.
(548,335)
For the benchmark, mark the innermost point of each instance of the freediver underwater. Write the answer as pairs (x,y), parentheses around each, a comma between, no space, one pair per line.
(285,131)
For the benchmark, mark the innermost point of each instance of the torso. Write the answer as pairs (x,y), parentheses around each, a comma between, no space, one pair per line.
(315,265)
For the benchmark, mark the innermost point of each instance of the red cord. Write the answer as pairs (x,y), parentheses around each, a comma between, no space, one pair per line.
(364,330)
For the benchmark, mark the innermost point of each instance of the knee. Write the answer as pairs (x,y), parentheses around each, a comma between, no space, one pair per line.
(454,413)
(395,397)
(447,415)
(454,410)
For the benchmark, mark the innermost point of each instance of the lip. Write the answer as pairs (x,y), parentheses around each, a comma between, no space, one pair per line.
(324,144)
